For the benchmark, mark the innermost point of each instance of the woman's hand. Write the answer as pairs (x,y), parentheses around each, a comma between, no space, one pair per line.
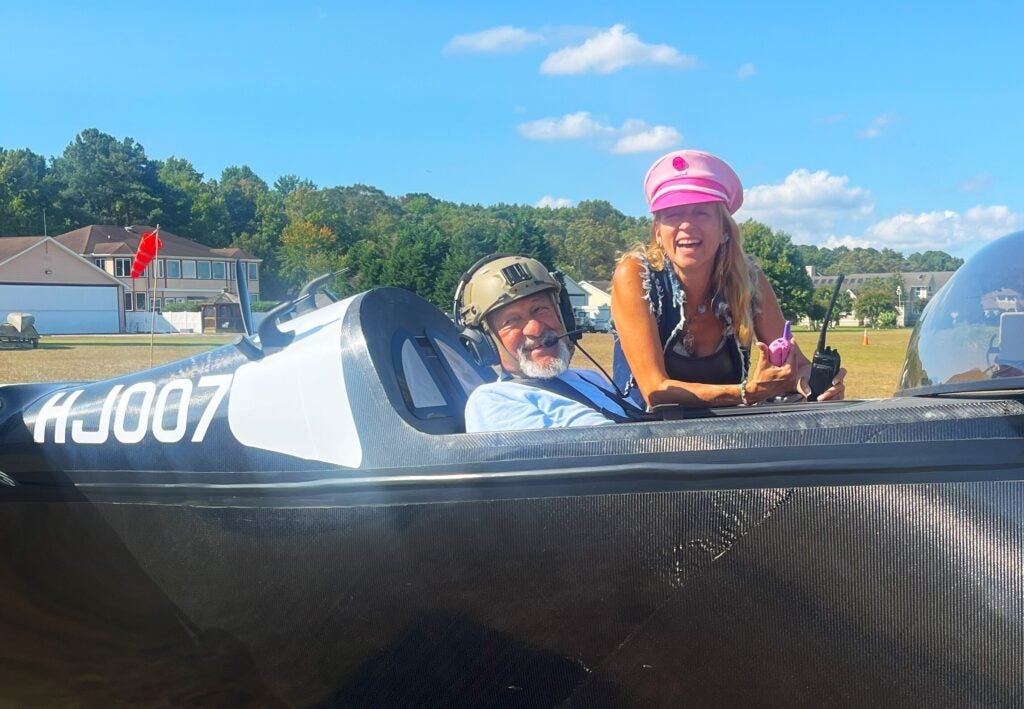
(834,393)
(766,380)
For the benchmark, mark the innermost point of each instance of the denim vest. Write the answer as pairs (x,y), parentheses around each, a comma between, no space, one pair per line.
(665,297)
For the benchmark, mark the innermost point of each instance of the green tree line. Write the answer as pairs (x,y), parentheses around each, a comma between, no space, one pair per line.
(415,241)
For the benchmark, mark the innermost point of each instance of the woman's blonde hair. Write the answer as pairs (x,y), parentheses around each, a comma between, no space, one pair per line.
(733,276)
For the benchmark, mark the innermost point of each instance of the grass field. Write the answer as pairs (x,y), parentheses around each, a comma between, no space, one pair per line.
(83,358)
(873,368)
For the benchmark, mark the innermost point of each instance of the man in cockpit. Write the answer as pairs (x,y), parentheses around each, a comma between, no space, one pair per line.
(510,305)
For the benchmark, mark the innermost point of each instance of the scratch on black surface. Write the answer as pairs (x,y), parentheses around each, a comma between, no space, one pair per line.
(713,550)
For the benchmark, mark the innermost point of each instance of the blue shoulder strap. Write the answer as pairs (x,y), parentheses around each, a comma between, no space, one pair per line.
(557,386)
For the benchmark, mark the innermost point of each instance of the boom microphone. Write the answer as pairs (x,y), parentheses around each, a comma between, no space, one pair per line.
(551,339)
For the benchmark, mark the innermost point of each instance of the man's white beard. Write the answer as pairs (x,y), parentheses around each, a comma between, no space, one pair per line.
(556,364)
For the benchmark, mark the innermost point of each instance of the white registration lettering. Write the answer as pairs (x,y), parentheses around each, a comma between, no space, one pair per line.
(128,412)
(222,382)
(121,432)
(102,432)
(184,387)
(58,413)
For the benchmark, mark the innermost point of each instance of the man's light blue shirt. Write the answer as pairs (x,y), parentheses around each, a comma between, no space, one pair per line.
(511,405)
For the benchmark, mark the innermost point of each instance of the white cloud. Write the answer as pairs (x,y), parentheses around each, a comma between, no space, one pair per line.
(634,136)
(610,51)
(850,242)
(572,126)
(746,71)
(549,202)
(497,40)
(946,230)
(813,206)
(878,125)
(808,204)
(804,189)
(638,137)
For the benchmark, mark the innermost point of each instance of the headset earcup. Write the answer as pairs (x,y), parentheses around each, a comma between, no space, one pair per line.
(480,346)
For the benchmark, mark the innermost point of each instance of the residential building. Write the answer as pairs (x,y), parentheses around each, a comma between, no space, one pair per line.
(915,289)
(183,269)
(599,304)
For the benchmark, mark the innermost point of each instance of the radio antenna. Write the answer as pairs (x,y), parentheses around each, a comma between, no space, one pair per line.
(828,315)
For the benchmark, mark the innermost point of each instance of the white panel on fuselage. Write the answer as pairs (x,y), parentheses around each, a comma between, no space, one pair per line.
(294,401)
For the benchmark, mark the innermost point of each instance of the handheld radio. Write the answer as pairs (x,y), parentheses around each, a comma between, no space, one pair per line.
(778,350)
(826,360)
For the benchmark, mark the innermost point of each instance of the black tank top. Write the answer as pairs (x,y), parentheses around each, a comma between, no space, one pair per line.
(723,366)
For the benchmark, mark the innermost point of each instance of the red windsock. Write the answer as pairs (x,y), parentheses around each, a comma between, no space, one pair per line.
(148,247)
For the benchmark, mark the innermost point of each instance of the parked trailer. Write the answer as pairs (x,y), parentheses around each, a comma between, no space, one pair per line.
(19,331)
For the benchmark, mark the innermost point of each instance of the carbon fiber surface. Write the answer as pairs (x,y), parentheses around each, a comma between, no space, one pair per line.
(869,595)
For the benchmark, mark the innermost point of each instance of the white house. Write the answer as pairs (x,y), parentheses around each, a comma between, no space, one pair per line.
(599,304)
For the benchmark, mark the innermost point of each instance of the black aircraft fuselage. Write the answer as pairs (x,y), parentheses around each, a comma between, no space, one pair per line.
(311,527)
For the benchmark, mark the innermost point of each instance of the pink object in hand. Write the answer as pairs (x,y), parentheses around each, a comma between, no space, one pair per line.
(778,351)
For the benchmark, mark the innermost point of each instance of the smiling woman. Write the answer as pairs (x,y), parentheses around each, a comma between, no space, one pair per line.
(689,305)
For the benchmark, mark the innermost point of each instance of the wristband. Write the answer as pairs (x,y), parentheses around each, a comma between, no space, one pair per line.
(743,392)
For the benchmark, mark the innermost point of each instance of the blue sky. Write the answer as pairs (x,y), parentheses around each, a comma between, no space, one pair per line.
(874,123)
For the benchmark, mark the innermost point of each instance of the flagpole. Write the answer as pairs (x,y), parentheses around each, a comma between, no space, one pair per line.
(152,300)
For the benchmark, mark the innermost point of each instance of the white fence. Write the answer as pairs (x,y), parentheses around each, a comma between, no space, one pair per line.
(172,322)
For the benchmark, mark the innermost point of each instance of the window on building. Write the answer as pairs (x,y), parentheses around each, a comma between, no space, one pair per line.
(158,305)
(160,268)
(173,268)
(100,263)
(253,272)
(129,302)
(140,300)
(122,267)
(218,270)
(188,269)
(203,268)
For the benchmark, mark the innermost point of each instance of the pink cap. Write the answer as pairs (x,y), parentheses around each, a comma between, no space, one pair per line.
(691,177)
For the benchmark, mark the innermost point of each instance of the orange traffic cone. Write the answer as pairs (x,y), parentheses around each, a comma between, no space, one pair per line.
(866,340)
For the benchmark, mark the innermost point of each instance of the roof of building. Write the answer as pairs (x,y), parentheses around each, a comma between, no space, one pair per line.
(572,287)
(11,246)
(106,240)
(911,279)
(221,298)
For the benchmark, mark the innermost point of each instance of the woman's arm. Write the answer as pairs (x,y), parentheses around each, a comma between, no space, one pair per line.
(638,335)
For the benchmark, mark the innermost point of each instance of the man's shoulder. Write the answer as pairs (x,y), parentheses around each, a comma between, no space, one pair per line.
(500,389)
(516,387)
(588,375)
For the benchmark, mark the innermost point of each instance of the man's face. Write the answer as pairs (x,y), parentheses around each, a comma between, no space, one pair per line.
(521,326)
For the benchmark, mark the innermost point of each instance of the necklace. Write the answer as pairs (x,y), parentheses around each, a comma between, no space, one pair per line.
(686,340)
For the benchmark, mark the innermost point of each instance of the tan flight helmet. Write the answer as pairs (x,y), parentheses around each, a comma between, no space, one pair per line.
(492,282)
